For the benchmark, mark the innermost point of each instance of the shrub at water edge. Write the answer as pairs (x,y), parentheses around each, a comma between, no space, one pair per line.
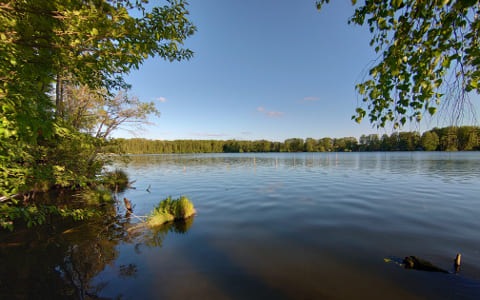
(116,180)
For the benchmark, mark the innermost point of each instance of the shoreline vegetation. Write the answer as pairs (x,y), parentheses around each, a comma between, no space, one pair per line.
(76,202)
(465,138)
(169,210)
(63,92)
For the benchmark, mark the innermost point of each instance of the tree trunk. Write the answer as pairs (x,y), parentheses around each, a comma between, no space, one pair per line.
(58,96)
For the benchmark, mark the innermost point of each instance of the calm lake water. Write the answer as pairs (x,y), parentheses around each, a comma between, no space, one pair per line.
(269,226)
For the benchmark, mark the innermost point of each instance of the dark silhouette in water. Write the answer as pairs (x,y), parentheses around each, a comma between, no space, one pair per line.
(413,262)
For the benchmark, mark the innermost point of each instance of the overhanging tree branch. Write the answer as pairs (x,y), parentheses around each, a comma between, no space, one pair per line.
(426,47)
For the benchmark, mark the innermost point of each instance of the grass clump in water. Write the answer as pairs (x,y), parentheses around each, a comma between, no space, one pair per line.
(169,210)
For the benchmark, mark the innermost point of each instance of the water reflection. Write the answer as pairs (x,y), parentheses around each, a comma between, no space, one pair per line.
(60,260)
(303,225)
(154,237)
(436,164)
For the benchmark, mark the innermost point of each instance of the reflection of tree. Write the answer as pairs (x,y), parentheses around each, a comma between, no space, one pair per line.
(61,259)
(129,270)
(392,162)
(57,260)
(165,161)
(197,161)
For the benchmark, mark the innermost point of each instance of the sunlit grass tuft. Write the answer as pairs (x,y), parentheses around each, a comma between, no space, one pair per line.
(182,208)
(159,218)
(169,210)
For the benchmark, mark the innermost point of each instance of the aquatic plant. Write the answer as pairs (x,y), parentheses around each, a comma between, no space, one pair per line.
(169,210)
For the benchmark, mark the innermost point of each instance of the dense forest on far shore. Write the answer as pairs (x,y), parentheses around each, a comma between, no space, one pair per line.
(465,138)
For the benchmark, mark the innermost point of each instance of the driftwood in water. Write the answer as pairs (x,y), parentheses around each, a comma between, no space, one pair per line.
(128,205)
(413,262)
(457,262)
(129,185)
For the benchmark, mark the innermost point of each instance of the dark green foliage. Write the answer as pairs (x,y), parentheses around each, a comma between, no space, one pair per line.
(97,195)
(370,143)
(468,138)
(347,144)
(116,180)
(325,145)
(429,141)
(294,145)
(408,141)
(463,138)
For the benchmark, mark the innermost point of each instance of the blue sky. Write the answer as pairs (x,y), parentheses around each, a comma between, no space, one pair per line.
(263,69)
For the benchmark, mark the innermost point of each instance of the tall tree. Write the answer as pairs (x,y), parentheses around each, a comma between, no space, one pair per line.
(429,141)
(99,113)
(45,43)
(467,138)
(408,141)
(294,145)
(326,144)
(429,53)
(310,145)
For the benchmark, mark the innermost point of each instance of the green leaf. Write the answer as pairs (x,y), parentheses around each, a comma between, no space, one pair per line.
(396,3)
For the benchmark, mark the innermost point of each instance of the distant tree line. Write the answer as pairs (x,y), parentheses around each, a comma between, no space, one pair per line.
(466,138)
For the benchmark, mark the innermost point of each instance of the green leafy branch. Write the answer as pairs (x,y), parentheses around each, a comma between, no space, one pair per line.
(429,54)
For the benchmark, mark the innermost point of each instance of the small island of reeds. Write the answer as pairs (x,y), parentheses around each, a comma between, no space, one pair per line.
(170,210)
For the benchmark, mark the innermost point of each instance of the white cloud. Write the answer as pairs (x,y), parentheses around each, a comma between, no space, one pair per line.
(270,113)
(275,114)
(161,99)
